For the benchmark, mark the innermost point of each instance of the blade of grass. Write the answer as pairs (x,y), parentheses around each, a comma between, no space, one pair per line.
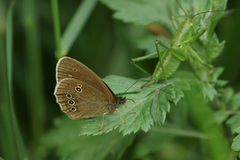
(77,23)
(75,26)
(34,73)
(6,134)
(11,140)
(57,28)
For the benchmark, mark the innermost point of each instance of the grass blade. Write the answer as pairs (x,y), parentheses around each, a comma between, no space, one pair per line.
(11,140)
(76,24)
(57,29)
(34,72)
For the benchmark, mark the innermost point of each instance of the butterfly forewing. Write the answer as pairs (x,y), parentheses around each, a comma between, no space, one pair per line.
(71,68)
(80,100)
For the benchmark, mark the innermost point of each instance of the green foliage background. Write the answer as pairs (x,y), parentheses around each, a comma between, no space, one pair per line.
(105,45)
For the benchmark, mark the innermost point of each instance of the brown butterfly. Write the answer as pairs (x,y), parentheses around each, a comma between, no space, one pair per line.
(82,94)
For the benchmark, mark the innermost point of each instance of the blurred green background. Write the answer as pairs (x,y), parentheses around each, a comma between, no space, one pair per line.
(105,45)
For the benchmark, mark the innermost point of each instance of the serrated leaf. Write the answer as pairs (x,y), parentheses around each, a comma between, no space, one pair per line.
(227,95)
(207,90)
(172,92)
(235,102)
(161,103)
(142,12)
(237,129)
(236,143)
(134,122)
(142,119)
(220,116)
(234,123)
(220,83)
(211,19)
(179,87)
(217,72)
(146,12)
(214,48)
(120,84)
(151,105)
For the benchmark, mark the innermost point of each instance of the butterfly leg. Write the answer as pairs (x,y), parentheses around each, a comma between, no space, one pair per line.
(120,116)
(129,109)
(103,120)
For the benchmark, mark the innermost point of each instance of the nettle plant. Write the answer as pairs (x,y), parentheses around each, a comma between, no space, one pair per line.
(196,93)
(193,41)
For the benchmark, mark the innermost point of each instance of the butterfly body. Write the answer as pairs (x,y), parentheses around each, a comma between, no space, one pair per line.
(81,93)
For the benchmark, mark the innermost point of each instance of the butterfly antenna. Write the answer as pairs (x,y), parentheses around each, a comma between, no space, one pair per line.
(131,100)
(131,86)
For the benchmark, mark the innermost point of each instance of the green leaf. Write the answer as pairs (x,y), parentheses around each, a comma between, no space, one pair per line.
(68,145)
(151,105)
(234,123)
(146,12)
(179,87)
(211,19)
(214,48)
(227,95)
(172,92)
(161,103)
(119,84)
(237,130)
(220,83)
(142,118)
(217,72)
(235,102)
(148,43)
(185,76)
(220,116)
(214,77)
(207,90)
(143,12)
(236,143)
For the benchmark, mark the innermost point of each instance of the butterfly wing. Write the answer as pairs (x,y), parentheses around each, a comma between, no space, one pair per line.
(71,68)
(80,100)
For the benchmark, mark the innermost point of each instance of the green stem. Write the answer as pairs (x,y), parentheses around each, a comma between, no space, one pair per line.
(57,29)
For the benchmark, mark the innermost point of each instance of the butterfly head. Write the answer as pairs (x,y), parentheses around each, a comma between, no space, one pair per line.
(120,100)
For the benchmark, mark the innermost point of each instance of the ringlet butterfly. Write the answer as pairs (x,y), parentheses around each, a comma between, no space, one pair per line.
(82,94)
